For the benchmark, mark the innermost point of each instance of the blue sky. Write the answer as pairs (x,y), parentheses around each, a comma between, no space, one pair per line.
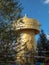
(38,9)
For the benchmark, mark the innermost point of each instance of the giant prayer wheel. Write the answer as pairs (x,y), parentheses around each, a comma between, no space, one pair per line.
(26,29)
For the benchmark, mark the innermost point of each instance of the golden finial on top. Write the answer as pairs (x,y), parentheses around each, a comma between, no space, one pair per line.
(25,15)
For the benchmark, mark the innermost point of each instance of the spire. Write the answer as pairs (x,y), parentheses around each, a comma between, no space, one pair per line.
(25,15)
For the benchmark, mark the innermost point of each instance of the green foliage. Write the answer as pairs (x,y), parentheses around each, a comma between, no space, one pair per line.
(7,38)
(42,41)
(9,10)
(43,44)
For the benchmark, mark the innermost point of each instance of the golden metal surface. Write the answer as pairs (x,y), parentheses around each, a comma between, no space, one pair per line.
(27,23)
(26,29)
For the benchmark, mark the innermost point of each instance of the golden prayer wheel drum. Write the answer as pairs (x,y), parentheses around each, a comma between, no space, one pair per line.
(26,29)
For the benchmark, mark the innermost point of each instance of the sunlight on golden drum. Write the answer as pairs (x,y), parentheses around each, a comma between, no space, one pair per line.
(27,23)
(26,29)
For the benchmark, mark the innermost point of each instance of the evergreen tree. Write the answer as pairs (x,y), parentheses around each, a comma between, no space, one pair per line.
(9,10)
(47,54)
(42,43)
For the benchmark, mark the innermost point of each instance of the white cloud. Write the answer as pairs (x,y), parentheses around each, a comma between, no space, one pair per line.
(46,1)
(47,36)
